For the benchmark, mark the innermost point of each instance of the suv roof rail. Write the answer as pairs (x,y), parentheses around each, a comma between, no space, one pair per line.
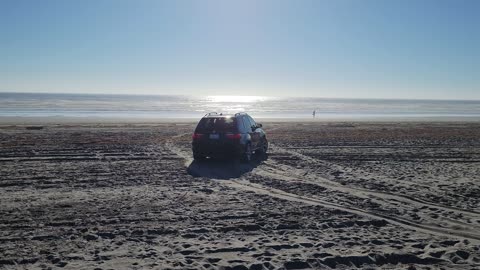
(215,113)
(212,113)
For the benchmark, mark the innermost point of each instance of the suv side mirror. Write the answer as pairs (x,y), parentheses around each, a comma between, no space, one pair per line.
(259,125)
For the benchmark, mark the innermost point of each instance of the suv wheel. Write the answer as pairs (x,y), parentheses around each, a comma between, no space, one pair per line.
(264,148)
(247,155)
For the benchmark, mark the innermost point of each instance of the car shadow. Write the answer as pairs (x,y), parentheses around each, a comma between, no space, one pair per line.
(224,169)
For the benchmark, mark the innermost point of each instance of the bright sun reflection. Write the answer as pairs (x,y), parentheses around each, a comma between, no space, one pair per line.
(236,99)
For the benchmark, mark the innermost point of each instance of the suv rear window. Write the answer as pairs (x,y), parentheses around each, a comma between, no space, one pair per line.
(220,124)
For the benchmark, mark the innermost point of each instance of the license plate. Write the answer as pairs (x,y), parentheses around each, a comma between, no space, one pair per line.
(214,136)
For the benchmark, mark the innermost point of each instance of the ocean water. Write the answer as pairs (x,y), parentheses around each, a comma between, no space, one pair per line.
(158,107)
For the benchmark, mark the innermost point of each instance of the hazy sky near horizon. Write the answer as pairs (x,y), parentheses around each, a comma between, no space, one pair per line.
(337,48)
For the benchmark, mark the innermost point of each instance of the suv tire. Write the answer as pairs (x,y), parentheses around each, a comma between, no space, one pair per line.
(247,155)
(263,148)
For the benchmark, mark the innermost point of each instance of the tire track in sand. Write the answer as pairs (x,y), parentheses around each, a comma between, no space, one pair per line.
(291,174)
(243,183)
(455,225)
(170,145)
(259,189)
(330,183)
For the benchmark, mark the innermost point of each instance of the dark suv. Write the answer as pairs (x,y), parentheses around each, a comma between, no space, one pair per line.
(226,135)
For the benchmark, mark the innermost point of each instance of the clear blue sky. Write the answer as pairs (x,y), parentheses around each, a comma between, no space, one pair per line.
(337,48)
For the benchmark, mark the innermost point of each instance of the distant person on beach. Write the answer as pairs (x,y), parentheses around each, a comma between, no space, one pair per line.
(313,113)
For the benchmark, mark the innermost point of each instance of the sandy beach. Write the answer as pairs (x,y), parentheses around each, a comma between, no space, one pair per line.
(330,195)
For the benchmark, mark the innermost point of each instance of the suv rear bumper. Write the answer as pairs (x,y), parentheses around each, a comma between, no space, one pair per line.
(222,150)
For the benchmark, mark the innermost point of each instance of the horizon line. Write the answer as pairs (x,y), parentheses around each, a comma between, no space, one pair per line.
(266,96)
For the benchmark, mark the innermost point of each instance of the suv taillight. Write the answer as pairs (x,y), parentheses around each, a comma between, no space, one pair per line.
(234,136)
(197,136)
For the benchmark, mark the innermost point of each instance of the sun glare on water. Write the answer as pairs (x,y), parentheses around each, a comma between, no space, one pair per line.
(235,99)
(231,104)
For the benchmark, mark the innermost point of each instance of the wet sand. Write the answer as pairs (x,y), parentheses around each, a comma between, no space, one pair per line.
(329,195)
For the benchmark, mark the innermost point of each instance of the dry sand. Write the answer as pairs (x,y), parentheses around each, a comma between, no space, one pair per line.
(329,195)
